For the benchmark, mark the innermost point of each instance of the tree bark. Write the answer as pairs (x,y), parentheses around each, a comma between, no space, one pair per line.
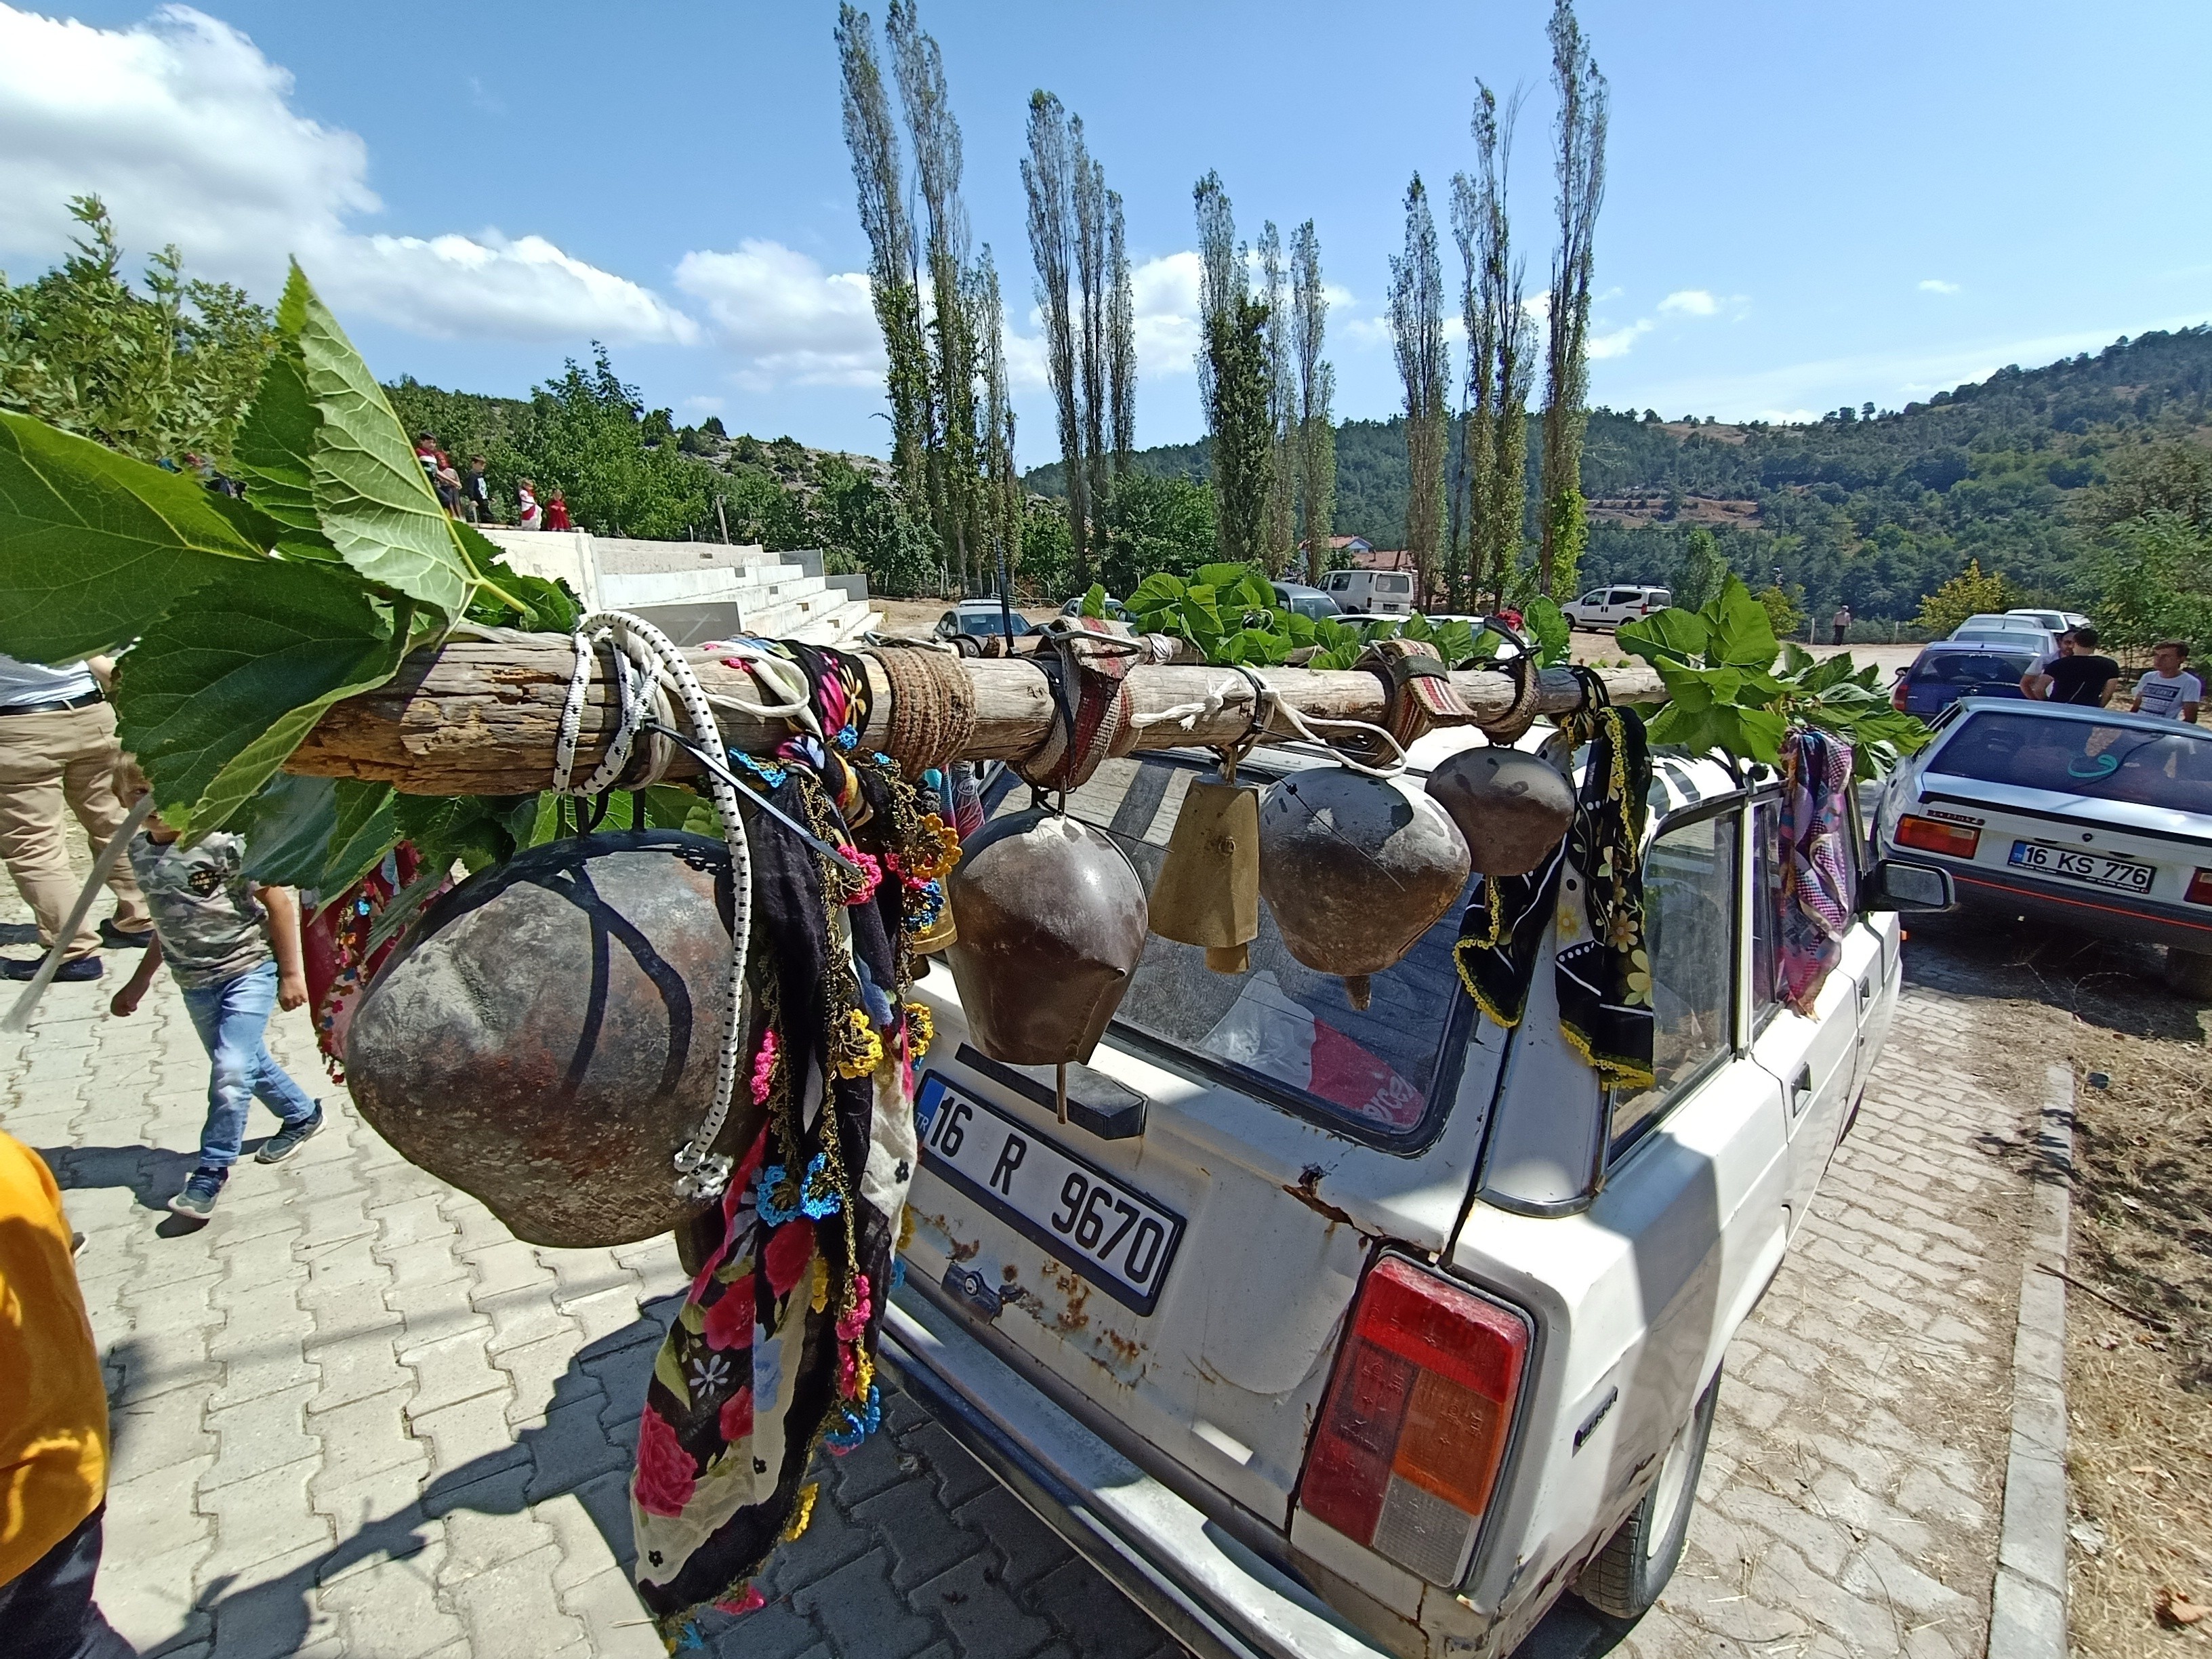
(480,717)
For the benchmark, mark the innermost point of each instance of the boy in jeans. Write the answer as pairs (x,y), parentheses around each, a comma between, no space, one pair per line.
(233,948)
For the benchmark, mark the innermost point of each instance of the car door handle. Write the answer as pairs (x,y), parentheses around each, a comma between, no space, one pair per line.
(1801,1089)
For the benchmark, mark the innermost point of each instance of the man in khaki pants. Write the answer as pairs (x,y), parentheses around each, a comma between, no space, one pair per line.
(58,749)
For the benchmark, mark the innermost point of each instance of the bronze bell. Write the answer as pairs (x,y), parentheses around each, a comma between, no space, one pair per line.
(1512,808)
(548,1036)
(1052,924)
(1208,892)
(1356,869)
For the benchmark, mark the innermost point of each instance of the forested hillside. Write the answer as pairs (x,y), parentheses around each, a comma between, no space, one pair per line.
(1878,508)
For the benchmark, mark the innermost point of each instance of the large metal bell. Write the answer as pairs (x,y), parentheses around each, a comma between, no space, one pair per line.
(1356,869)
(548,1036)
(1512,808)
(1052,924)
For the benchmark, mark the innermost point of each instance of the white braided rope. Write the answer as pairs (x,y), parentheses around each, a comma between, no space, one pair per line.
(647,665)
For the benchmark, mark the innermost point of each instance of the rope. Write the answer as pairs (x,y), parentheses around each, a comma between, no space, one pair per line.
(659,665)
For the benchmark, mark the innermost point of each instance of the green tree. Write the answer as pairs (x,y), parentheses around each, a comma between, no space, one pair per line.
(1235,383)
(157,374)
(1579,165)
(2174,475)
(2150,574)
(586,436)
(1047,555)
(1969,593)
(1501,354)
(1155,526)
(1316,377)
(1704,573)
(1417,330)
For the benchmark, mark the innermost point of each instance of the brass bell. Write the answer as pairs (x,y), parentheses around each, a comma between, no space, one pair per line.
(1356,869)
(1208,892)
(1512,808)
(1052,924)
(548,1035)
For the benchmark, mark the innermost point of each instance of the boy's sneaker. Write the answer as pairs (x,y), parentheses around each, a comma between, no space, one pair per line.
(201,1191)
(285,1141)
(117,939)
(69,972)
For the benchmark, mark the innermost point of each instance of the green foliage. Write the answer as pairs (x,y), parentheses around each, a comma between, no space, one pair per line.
(1725,691)
(588,435)
(1970,594)
(1783,614)
(153,375)
(1704,572)
(1163,525)
(2151,576)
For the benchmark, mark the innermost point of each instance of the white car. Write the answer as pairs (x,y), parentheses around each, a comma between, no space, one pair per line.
(1609,607)
(1330,1334)
(1370,592)
(2094,819)
(2058,622)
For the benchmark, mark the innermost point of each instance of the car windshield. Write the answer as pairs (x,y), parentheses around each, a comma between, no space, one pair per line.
(2170,770)
(1281,1030)
(988,622)
(1972,667)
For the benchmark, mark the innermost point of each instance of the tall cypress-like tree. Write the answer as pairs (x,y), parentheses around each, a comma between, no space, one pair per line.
(1093,279)
(1121,343)
(1417,330)
(872,138)
(1578,161)
(955,489)
(1501,349)
(1282,405)
(1233,380)
(1002,484)
(1049,177)
(1316,452)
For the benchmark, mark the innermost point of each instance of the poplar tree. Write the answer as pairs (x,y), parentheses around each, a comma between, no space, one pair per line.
(1501,349)
(1578,162)
(1048,179)
(1002,485)
(954,493)
(872,138)
(1093,281)
(1316,455)
(1282,392)
(1233,380)
(1121,343)
(1417,330)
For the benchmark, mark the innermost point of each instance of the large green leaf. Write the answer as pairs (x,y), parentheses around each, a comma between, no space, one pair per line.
(367,828)
(1743,632)
(93,545)
(1670,636)
(371,498)
(287,828)
(218,693)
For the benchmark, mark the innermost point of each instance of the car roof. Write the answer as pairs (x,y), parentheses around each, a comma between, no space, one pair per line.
(2080,713)
(1978,642)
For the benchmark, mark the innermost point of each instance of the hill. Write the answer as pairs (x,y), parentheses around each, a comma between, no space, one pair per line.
(1877,508)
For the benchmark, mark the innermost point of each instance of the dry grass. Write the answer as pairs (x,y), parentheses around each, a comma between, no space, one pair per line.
(2140,1398)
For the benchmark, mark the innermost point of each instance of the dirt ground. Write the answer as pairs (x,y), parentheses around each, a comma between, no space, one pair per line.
(2138,1364)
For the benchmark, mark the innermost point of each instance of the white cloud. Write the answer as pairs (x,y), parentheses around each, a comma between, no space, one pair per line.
(187,132)
(1616,342)
(1163,301)
(788,320)
(1937,285)
(1690,302)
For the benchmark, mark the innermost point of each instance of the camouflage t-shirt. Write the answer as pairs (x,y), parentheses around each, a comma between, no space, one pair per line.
(212,928)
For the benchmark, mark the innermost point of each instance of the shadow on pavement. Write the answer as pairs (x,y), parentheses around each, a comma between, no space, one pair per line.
(2105,983)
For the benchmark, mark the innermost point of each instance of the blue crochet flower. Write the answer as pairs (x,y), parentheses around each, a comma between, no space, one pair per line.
(771,775)
(817,1197)
(775,1212)
(858,1423)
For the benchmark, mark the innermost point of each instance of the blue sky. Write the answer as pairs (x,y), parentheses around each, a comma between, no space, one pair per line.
(1807,205)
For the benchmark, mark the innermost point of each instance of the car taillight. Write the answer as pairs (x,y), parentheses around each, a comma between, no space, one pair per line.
(1415,1422)
(1897,694)
(1934,835)
(2200,888)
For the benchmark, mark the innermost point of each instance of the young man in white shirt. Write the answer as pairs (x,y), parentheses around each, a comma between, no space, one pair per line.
(2169,690)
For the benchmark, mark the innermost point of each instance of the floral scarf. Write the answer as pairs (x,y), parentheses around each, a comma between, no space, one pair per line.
(774,1349)
(1819,882)
(1590,888)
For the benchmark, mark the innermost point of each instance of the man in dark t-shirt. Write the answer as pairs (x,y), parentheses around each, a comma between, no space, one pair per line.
(2077,675)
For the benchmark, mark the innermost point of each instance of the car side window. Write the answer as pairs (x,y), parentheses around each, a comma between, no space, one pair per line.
(1766,912)
(1690,888)
(1597,597)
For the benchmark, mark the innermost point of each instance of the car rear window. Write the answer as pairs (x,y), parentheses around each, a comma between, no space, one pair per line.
(1973,668)
(2169,769)
(1281,1030)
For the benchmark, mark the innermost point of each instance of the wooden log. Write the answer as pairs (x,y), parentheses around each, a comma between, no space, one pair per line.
(481,716)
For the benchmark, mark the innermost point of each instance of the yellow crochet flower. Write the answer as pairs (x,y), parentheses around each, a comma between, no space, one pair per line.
(920,1029)
(860,1050)
(935,851)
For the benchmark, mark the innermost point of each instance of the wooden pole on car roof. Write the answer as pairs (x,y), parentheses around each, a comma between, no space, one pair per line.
(480,716)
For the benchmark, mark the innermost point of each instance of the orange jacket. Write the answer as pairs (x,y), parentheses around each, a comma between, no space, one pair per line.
(53,1402)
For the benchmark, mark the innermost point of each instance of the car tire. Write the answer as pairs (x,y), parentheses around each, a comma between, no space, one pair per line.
(2188,973)
(1626,1577)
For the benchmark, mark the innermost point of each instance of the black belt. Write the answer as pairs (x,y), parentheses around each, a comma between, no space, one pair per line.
(58,706)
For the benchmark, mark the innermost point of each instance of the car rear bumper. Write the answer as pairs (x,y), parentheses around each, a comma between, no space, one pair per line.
(1213,1594)
(2140,920)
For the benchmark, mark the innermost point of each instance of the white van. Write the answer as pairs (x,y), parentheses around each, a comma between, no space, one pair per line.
(1370,592)
(1609,607)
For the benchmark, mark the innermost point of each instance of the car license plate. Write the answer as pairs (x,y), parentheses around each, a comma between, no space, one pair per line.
(1105,1228)
(2095,868)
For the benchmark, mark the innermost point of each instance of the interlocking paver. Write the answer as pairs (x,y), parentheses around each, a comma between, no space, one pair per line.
(354,1417)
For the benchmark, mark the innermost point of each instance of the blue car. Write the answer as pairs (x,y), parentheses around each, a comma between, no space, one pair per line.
(1951,669)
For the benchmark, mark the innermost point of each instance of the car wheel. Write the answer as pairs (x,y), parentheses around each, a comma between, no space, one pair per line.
(1625,1578)
(2188,973)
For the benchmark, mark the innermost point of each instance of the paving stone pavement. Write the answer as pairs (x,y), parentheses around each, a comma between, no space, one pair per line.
(354,1416)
